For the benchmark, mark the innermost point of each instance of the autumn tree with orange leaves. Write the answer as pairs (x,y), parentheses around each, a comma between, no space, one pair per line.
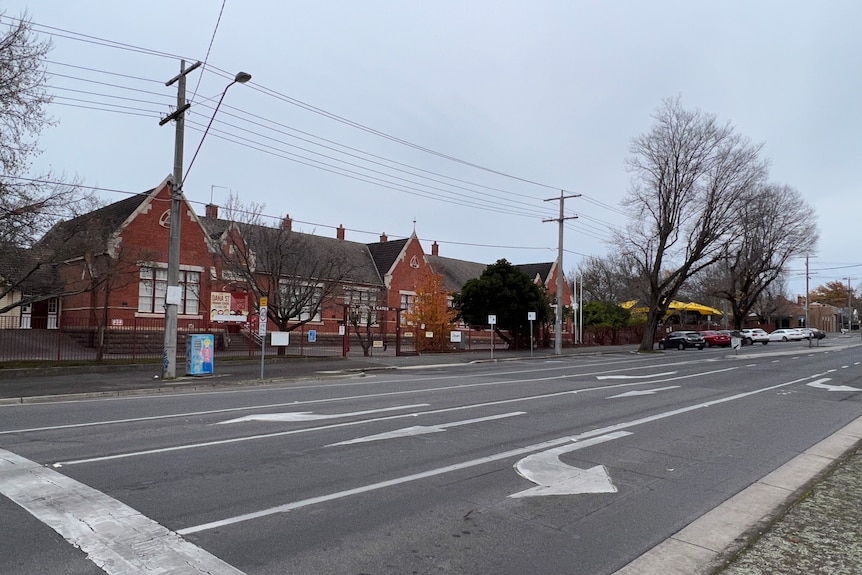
(431,313)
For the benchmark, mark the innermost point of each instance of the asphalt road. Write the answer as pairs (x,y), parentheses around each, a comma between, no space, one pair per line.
(573,465)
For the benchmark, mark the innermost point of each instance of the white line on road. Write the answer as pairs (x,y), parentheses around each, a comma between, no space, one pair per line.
(314,401)
(423,429)
(645,376)
(596,433)
(310,416)
(372,420)
(117,538)
(582,441)
(642,392)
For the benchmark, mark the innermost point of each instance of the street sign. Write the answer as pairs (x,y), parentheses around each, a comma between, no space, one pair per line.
(312,336)
(531,316)
(261,327)
(492,320)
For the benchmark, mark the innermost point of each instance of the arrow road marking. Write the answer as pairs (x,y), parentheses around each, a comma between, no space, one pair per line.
(600,377)
(311,416)
(557,478)
(423,429)
(821,384)
(581,439)
(642,392)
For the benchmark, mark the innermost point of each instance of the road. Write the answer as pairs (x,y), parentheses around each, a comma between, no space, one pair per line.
(573,465)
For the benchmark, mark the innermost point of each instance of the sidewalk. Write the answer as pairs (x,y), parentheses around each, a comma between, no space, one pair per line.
(801,519)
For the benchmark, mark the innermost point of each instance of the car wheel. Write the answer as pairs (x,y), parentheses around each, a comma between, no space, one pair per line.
(681,345)
(747,341)
(784,338)
(700,347)
(764,342)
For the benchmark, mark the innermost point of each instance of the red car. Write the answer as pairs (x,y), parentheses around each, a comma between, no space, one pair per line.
(716,338)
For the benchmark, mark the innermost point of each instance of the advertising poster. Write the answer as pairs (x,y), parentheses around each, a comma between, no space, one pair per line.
(226,306)
(199,354)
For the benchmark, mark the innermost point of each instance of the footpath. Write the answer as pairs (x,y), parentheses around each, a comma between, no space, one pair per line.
(802,519)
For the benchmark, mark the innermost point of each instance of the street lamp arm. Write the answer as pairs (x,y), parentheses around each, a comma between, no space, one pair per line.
(241,78)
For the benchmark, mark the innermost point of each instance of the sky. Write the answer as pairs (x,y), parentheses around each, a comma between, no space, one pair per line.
(464,121)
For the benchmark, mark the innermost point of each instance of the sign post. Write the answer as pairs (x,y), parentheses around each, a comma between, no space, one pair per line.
(531,315)
(492,321)
(261,330)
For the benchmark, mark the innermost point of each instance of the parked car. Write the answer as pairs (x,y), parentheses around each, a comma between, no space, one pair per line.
(716,338)
(786,334)
(755,335)
(682,340)
(812,333)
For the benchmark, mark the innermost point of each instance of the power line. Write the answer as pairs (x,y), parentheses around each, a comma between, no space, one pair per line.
(304,105)
(209,48)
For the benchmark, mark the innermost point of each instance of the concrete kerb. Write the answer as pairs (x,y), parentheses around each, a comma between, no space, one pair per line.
(706,545)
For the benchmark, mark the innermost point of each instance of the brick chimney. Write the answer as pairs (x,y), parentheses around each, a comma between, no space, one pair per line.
(287,223)
(212,211)
(339,233)
(435,249)
(383,238)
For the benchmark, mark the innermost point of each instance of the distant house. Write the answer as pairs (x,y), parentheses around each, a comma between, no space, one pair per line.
(29,289)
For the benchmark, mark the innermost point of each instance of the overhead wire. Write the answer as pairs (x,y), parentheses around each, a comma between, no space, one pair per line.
(309,107)
(341,171)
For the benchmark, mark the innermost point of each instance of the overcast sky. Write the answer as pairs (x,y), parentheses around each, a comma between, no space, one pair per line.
(463,116)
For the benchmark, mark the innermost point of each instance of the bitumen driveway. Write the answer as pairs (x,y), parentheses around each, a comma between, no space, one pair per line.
(800,519)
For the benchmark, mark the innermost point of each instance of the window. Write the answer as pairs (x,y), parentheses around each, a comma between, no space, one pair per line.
(407,302)
(154,286)
(304,298)
(361,301)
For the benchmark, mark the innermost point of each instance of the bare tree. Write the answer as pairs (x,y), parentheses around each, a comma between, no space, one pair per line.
(29,206)
(689,176)
(776,226)
(608,279)
(772,301)
(298,273)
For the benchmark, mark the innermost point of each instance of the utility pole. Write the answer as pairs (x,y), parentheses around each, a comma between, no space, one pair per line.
(807,313)
(558,325)
(849,310)
(173,296)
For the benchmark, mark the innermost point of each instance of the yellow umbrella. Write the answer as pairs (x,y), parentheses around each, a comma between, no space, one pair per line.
(701,309)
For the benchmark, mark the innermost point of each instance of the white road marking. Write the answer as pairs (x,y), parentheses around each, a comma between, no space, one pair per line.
(646,376)
(642,392)
(423,429)
(474,462)
(309,402)
(373,420)
(310,416)
(821,384)
(115,537)
(553,477)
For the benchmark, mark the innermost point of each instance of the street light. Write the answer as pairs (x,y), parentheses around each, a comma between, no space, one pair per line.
(173,296)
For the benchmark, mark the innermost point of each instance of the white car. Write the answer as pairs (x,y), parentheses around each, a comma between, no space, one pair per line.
(755,335)
(786,334)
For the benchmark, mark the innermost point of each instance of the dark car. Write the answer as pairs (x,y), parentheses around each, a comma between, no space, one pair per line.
(682,340)
(716,338)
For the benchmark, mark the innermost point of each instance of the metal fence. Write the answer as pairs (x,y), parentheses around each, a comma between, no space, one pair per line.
(142,340)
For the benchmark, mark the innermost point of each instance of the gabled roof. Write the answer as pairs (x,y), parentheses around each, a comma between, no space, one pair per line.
(91,231)
(385,254)
(542,271)
(455,273)
(302,253)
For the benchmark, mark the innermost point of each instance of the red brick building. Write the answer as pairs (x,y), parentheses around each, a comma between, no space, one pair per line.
(115,270)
